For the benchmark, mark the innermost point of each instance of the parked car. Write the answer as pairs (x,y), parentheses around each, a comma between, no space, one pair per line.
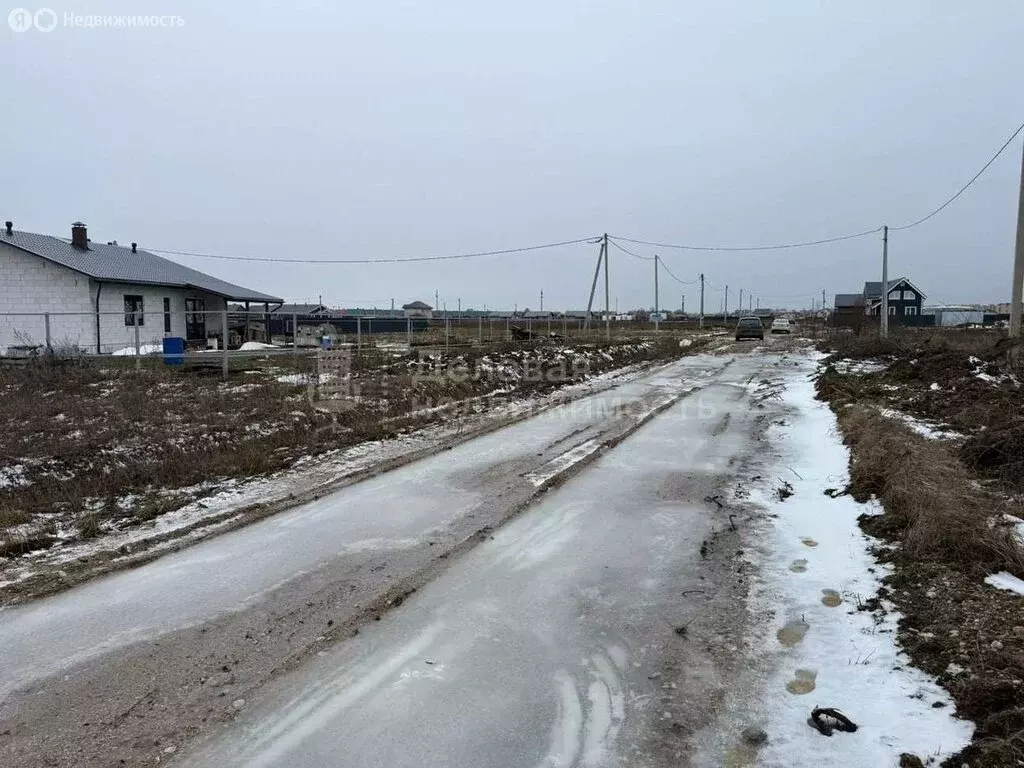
(781,325)
(749,328)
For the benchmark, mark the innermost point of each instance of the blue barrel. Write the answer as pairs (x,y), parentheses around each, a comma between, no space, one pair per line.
(174,350)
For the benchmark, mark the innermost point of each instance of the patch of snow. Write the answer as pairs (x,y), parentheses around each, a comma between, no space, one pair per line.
(13,476)
(838,657)
(925,429)
(145,349)
(562,462)
(935,386)
(252,346)
(1004,580)
(305,378)
(847,366)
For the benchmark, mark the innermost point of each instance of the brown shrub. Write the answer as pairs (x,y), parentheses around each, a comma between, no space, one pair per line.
(927,495)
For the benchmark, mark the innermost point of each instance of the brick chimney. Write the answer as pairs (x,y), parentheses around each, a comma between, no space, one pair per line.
(79,237)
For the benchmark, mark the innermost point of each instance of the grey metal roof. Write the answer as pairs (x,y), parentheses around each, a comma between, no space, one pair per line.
(873,289)
(301,309)
(416,305)
(117,264)
(849,299)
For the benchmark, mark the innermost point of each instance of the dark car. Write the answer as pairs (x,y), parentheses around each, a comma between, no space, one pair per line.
(749,328)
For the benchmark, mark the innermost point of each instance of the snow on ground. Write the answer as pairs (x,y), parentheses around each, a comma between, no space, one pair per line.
(145,349)
(12,475)
(305,378)
(1004,580)
(227,499)
(859,367)
(252,346)
(995,380)
(819,650)
(927,429)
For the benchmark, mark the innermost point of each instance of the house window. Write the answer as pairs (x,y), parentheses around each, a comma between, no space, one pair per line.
(167,315)
(911,310)
(892,310)
(133,311)
(894,295)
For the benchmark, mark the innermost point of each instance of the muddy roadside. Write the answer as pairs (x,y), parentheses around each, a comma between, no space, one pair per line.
(134,706)
(933,422)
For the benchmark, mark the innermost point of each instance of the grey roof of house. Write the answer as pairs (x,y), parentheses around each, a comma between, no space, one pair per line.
(850,299)
(117,264)
(416,305)
(301,309)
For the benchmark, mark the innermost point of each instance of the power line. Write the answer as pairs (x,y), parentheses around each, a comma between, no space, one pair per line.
(965,186)
(374,261)
(629,252)
(673,276)
(776,247)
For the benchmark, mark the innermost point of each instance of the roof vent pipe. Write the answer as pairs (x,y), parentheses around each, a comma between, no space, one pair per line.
(135,247)
(10,227)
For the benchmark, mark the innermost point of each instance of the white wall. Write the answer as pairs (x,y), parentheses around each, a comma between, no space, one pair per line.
(30,284)
(33,286)
(114,334)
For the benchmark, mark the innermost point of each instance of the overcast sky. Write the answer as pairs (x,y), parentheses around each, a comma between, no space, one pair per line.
(385,129)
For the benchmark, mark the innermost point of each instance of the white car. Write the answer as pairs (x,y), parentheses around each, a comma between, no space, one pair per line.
(781,325)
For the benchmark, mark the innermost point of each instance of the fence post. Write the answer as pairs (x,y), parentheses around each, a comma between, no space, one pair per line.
(46,319)
(369,331)
(506,329)
(359,335)
(447,333)
(224,341)
(295,331)
(480,328)
(408,331)
(138,346)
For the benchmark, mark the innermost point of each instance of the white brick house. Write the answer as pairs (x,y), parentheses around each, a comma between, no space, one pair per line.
(89,295)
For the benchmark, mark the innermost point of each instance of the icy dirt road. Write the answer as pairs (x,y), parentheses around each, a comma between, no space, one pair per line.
(633,579)
(546,645)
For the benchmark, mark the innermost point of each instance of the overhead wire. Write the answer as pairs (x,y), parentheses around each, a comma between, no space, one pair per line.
(964,188)
(396,260)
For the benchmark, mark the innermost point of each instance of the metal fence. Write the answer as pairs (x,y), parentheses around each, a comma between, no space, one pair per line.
(212,338)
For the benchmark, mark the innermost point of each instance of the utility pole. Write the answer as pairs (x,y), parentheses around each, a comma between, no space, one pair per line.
(682,305)
(725,306)
(750,303)
(593,285)
(541,299)
(1017,293)
(740,307)
(822,299)
(759,303)
(884,309)
(437,300)
(607,293)
(460,306)
(657,316)
(702,300)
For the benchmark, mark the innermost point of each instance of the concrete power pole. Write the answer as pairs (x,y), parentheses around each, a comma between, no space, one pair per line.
(1017,293)
(884,308)
(701,299)
(657,317)
(725,306)
(593,285)
(607,293)
(541,299)
(740,307)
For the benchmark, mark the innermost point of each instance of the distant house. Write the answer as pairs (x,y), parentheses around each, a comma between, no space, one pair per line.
(305,310)
(98,296)
(905,299)
(418,309)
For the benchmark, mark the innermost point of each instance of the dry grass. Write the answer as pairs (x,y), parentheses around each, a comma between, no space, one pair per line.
(931,506)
